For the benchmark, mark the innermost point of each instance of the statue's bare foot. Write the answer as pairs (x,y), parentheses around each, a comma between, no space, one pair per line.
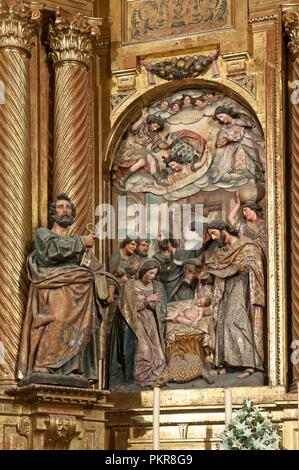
(207,377)
(247,373)
(221,371)
(41,370)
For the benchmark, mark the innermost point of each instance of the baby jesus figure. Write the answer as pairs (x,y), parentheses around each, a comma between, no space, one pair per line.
(191,315)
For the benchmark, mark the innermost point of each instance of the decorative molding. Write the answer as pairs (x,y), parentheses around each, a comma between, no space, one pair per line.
(19,23)
(235,63)
(117,100)
(262,19)
(277,207)
(247,82)
(125,79)
(34,394)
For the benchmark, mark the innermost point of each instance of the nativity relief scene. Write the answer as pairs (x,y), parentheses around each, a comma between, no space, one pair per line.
(191,311)
(149,221)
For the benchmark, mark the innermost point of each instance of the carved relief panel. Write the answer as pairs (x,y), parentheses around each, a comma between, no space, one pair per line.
(157,19)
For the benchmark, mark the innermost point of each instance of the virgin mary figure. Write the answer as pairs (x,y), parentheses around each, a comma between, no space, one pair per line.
(137,351)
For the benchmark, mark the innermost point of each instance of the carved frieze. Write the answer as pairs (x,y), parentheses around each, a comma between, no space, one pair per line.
(159,19)
(247,82)
(117,100)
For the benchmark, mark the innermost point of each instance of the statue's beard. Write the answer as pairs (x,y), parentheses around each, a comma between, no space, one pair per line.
(141,253)
(64,220)
(221,241)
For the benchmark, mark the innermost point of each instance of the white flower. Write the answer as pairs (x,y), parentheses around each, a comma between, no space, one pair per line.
(241,426)
(257,444)
(236,443)
(229,434)
(259,426)
(223,446)
(250,423)
(247,432)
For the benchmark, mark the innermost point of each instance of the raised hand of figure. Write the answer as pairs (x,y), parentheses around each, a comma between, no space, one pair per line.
(110,299)
(237,197)
(202,276)
(89,240)
(154,298)
(144,113)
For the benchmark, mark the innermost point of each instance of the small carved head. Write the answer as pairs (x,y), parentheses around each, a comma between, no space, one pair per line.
(155,123)
(225,114)
(218,230)
(62,211)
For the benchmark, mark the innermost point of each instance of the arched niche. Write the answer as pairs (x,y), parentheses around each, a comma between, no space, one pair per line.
(217,201)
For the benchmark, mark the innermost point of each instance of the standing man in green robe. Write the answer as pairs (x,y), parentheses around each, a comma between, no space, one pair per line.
(59,334)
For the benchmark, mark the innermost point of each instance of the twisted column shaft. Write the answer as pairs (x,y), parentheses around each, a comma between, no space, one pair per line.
(291,23)
(72,173)
(71,39)
(16,31)
(295,222)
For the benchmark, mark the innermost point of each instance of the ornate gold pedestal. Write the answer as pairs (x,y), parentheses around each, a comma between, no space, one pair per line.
(40,417)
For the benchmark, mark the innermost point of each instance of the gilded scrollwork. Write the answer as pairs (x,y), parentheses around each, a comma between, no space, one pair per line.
(60,430)
(24,426)
(247,82)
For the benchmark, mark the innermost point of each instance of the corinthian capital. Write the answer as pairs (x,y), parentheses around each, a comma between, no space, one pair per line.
(19,23)
(291,25)
(72,38)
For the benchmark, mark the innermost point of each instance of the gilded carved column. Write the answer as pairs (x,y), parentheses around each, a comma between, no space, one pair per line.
(71,39)
(19,22)
(291,23)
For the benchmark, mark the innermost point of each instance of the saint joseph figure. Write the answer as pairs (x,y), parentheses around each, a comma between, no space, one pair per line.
(238,299)
(62,317)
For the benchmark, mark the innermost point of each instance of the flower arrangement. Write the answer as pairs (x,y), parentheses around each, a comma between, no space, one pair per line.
(250,430)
